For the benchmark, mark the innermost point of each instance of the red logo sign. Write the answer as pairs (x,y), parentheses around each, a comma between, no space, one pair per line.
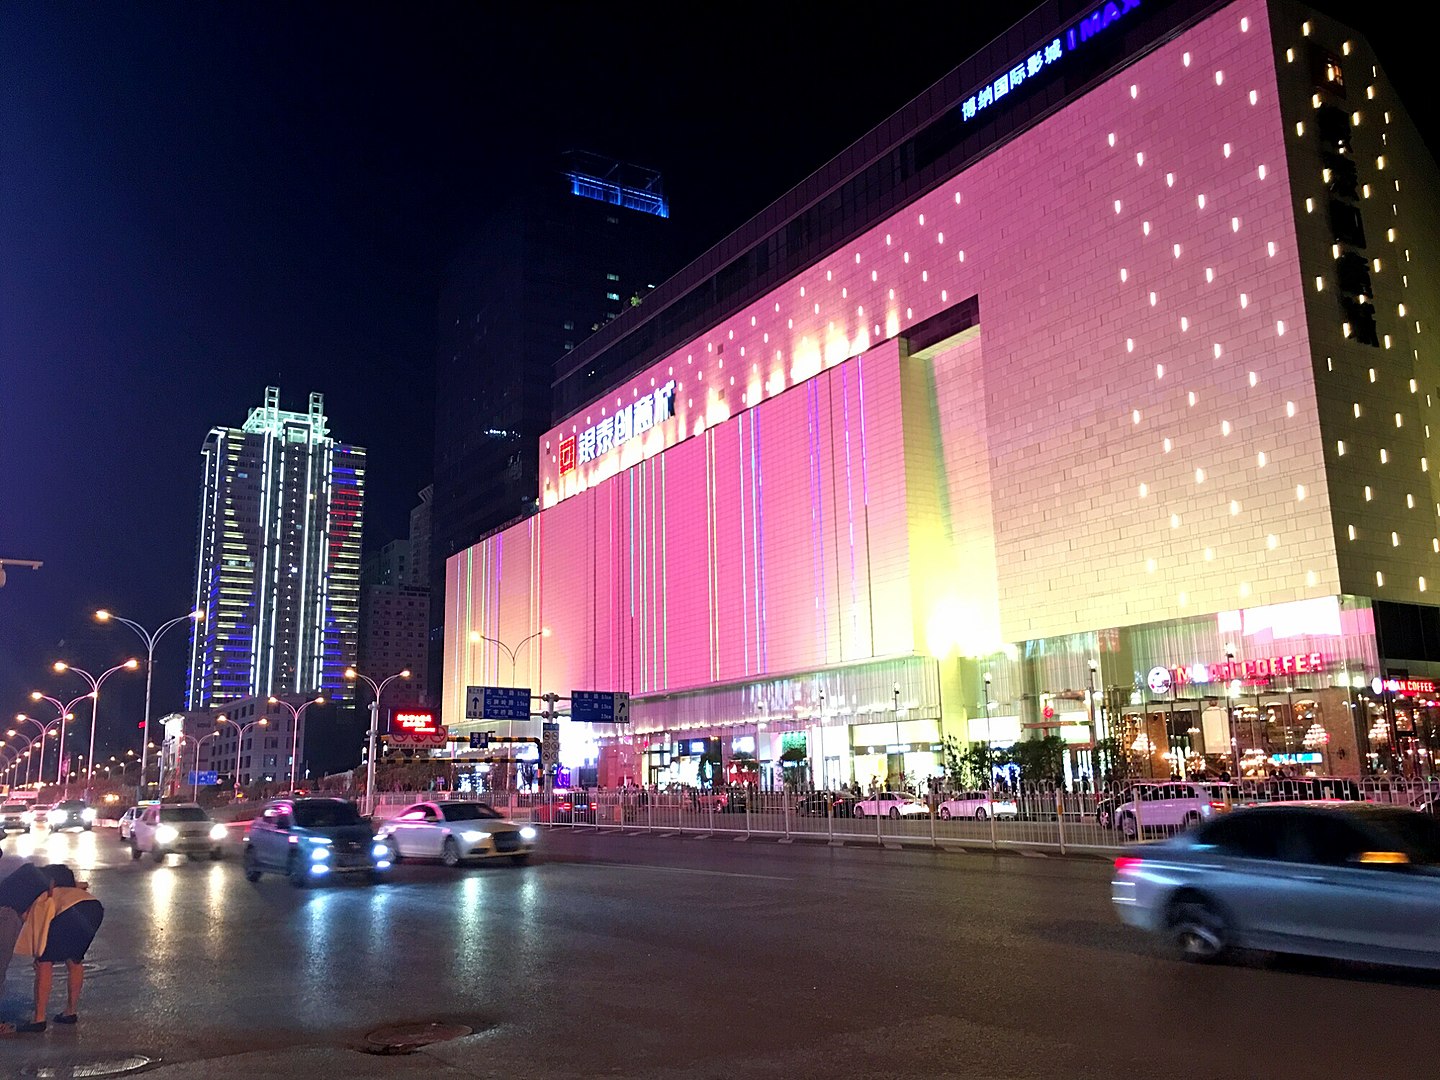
(567,455)
(1410,686)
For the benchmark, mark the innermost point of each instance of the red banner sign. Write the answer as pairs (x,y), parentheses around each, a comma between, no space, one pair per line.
(412,728)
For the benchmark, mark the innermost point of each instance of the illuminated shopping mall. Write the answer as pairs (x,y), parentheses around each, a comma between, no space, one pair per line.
(1088,396)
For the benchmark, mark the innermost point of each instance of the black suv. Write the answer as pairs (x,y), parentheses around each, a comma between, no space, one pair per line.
(70,814)
(309,840)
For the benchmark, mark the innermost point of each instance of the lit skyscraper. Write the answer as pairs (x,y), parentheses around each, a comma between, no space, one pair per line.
(278,558)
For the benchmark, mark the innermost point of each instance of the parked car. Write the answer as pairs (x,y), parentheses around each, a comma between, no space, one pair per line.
(456,832)
(14,817)
(1351,881)
(70,814)
(978,805)
(311,839)
(575,807)
(724,800)
(184,829)
(826,804)
(890,804)
(1170,806)
(127,823)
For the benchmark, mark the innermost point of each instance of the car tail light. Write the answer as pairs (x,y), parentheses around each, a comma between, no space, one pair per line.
(1218,804)
(1127,862)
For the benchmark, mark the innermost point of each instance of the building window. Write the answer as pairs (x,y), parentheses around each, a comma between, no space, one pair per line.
(612,277)
(612,296)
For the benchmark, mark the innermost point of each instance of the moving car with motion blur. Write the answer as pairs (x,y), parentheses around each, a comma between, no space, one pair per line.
(14,817)
(126,825)
(890,804)
(1350,881)
(312,839)
(455,833)
(978,805)
(183,829)
(70,814)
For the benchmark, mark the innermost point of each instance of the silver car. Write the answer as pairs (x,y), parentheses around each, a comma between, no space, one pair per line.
(1351,881)
(455,832)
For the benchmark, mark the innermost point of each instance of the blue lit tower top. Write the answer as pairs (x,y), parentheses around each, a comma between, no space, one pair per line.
(616,182)
(278,560)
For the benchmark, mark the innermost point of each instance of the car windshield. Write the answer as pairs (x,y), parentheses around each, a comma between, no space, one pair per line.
(470,811)
(326,815)
(1418,835)
(13,808)
(183,813)
(72,804)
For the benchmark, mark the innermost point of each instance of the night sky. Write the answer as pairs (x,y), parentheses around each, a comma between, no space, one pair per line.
(198,200)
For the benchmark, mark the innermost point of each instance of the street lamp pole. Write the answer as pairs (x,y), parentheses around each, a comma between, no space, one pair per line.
(195,775)
(94,682)
(151,639)
(67,712)
(375,690)
(514,655)
(21,718)
(295,714)
(240,731)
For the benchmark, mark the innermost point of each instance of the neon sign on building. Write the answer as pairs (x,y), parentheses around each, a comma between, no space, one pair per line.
(1028,67)
(612,432)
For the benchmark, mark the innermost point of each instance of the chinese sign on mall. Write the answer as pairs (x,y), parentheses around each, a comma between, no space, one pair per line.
(612,432)
(1028,67)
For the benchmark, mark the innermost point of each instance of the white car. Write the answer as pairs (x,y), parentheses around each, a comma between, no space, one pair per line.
(455,832)
(891,804)
(127,823)
(185,829)
(15,815)
(977,805)
(1171,806)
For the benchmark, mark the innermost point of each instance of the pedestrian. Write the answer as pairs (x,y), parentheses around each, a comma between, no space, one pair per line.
(21,884)
(59,927)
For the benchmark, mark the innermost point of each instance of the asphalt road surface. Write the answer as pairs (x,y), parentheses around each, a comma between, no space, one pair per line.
(614,955)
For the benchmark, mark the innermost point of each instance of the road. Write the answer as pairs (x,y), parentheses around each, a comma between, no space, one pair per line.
(642,956)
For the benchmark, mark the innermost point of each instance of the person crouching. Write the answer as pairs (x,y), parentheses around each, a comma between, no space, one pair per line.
(59,927)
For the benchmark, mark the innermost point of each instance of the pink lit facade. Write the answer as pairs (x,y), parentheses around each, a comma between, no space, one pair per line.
(1083,411)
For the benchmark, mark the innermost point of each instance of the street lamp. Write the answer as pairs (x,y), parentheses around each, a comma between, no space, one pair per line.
(95,682)
(21,718)
(240,731)
(376,691)
(195,776)
(67,712)
(295,714)
(151,640)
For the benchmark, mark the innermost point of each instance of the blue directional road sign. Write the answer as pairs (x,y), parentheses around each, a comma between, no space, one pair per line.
(600,706)
(201,779)
(479,740)
(497,703)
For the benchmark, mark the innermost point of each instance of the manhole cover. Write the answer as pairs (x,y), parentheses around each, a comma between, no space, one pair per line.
(105,1067)
(404,1038)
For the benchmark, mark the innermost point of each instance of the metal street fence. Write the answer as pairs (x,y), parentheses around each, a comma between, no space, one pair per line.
(1037,816)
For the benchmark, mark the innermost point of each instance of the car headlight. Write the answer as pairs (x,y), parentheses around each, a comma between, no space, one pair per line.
(474,836)
(55,817)
(217,831)
(88,814)
(319,854)
(166,834)
(379,851)
(528,833)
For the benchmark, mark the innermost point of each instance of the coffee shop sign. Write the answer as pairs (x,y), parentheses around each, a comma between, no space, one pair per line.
(1162,680)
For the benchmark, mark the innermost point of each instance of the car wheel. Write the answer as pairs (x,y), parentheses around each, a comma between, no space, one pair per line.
(134,850)
(894,811)
(1198,931)
(857,812)
(450,853)
(87,828)
(158,854)
(1102,818)
(980,814)
(1191,820)
(251,864)
(944,813)
(296,873)
(1129,826)
(394,852)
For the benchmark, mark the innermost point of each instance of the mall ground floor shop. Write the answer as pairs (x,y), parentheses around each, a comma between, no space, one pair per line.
(1294,688)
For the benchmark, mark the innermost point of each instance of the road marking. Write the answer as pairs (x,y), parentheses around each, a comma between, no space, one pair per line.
(689,870)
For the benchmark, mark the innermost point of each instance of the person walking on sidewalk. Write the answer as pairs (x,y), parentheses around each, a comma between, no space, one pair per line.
(59,927)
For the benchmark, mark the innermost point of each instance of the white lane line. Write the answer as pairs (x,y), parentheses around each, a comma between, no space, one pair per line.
(688,870)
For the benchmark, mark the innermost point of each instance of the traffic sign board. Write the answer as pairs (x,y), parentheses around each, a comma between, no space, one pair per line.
(202,779)
(497,703)
(600,706)
(415,729)
(480,740)
(550,745)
